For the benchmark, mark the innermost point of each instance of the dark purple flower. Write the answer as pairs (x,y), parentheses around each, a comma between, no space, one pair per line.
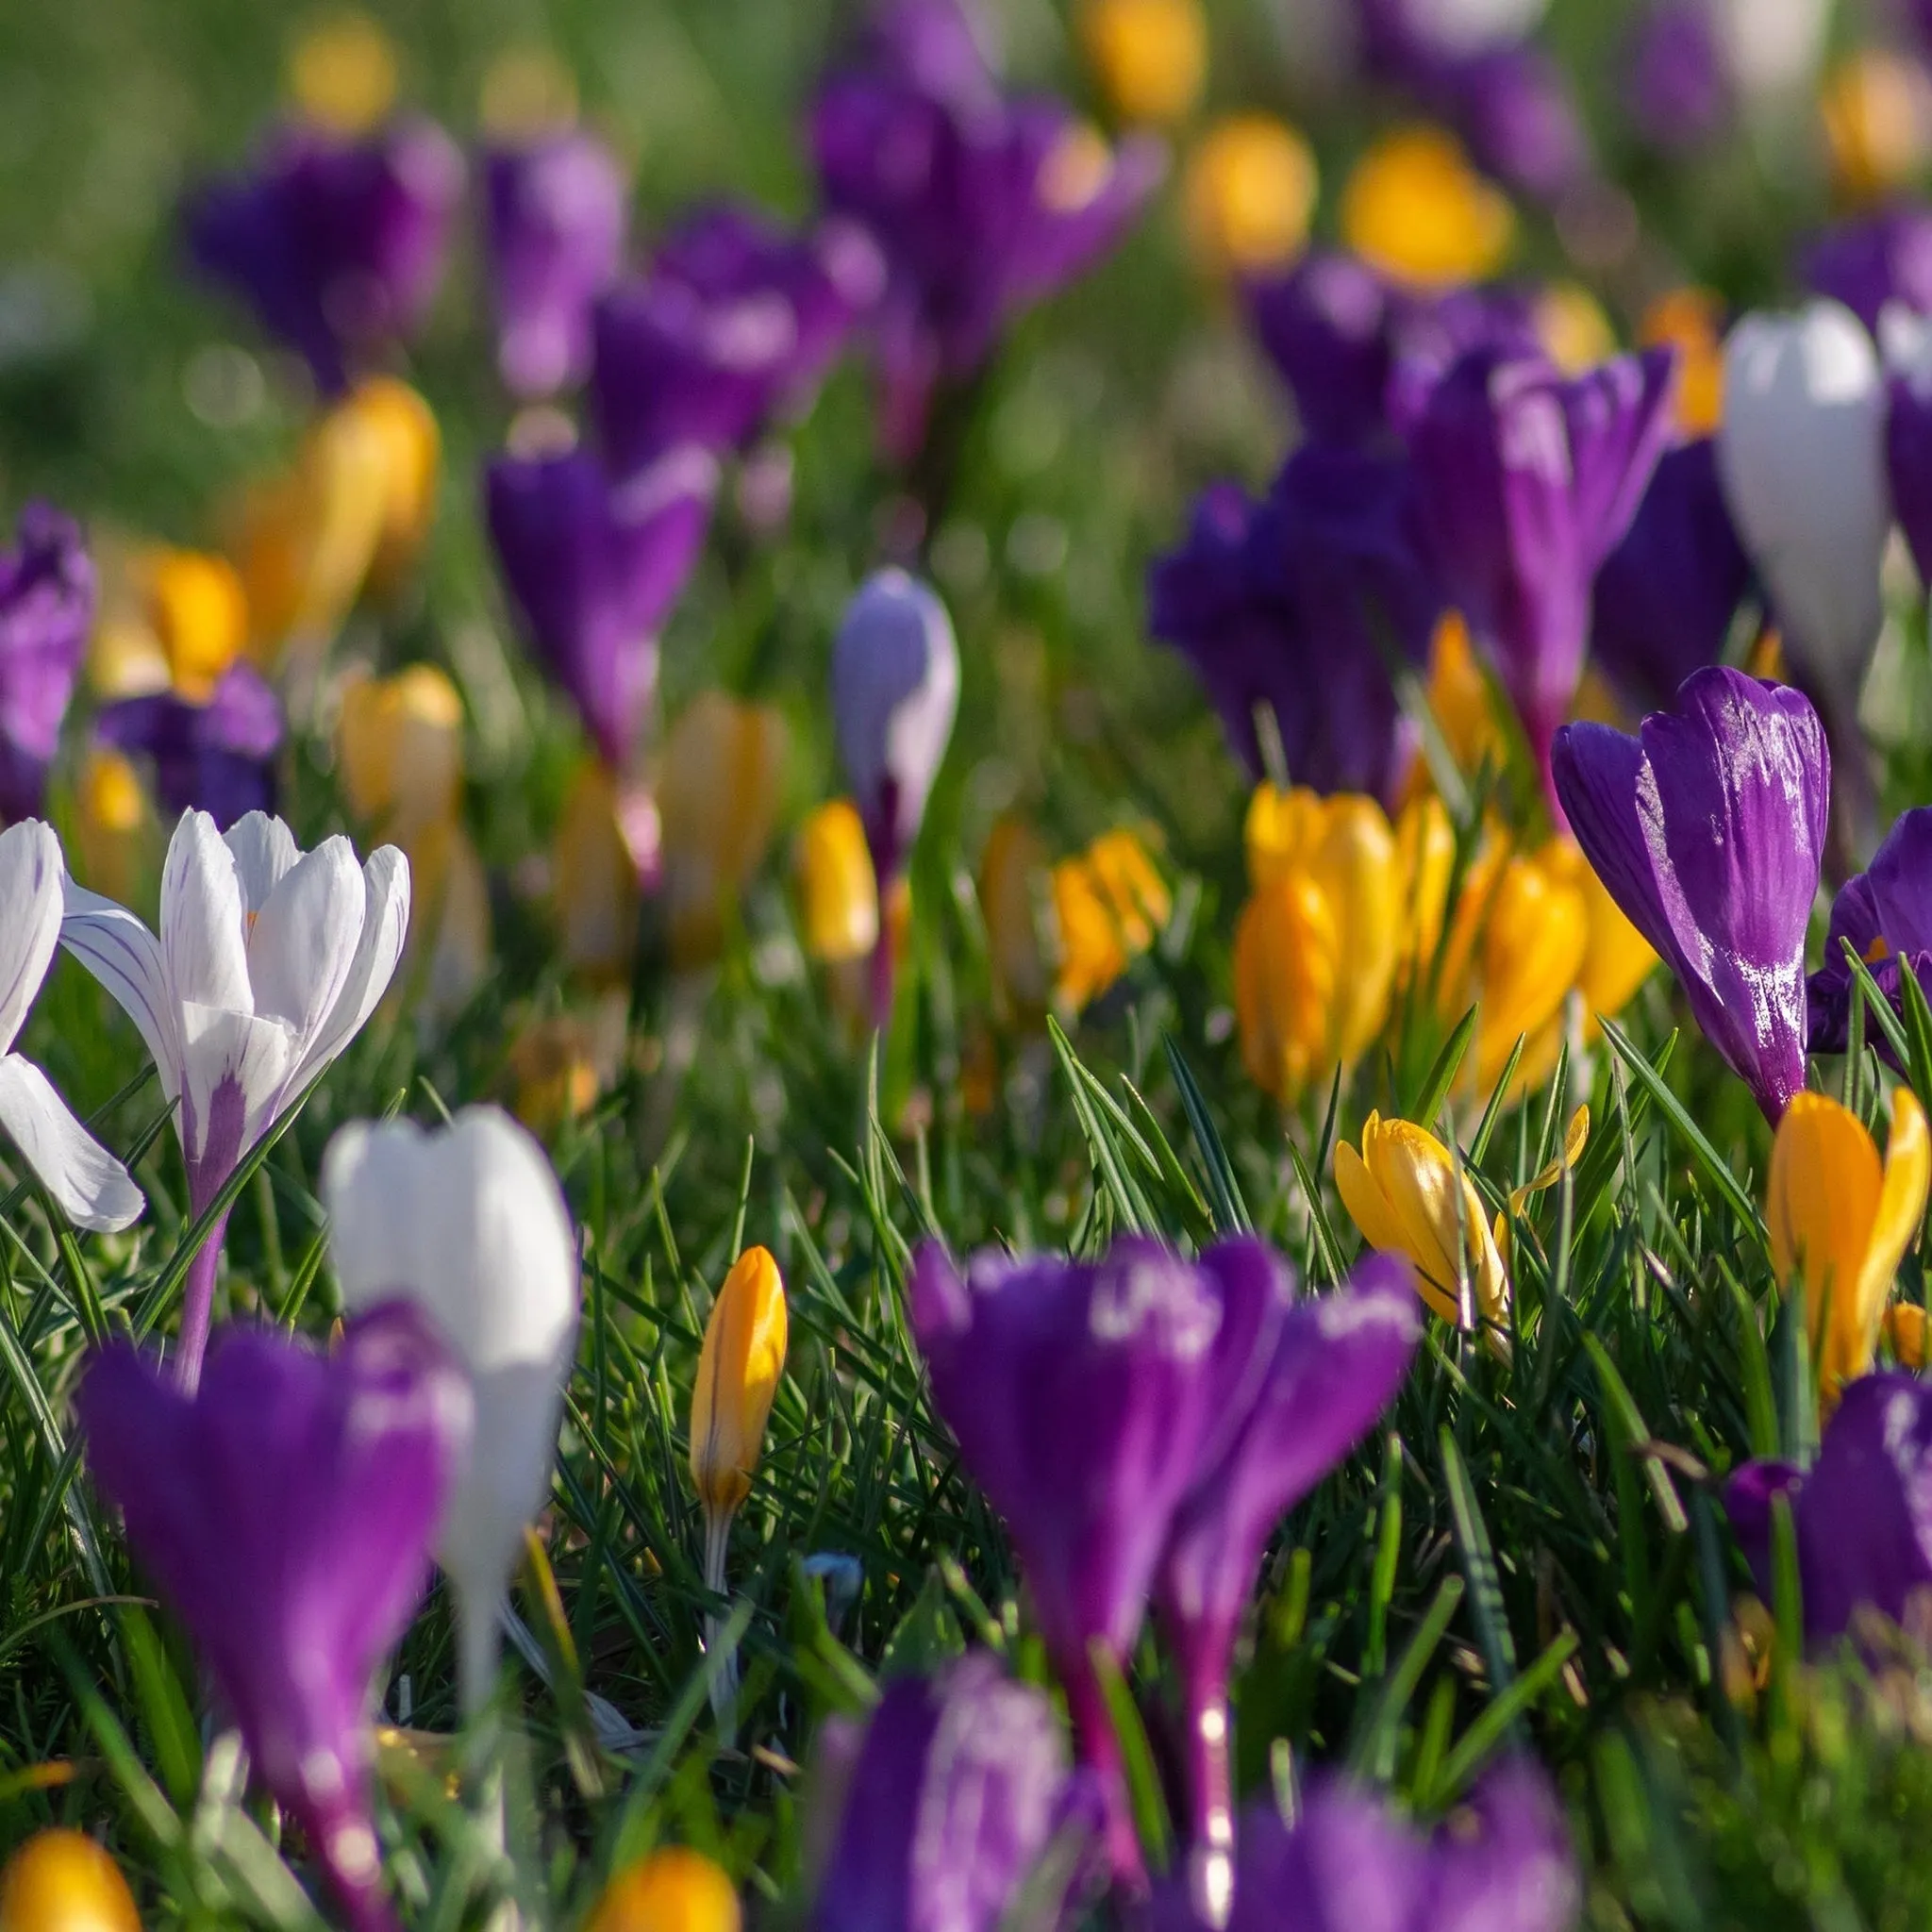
(286,1513)
(556,217)
(1875,260)
(338,245)
(1886,912)
(944,49)
(1908,435)
(1526,481)
(594,568)
(1335,1364)
(1084,1397)
(1675,88)
(218,757)
(1862,1514)
(736,322)
(1516,111)
(1298,603)
(1707,829)
(46,612)
(1667,594)
(952,1796)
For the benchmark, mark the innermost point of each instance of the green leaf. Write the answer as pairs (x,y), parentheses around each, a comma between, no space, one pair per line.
(1479,1565)
(1145,1796)
(1230,1210)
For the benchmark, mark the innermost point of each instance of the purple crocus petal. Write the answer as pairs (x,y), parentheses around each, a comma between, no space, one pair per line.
(943,48)
(1708,832)
(958,1787)
(1873,261)
(1677,90)
(1326,326)
(287,1511)
(1667,594)
(1908,438)
(1517,112)
(46,612)
(218,757)
(1505,1863)
(594,570)
(1526,481)
(555,225)
(1886,914)
(1863,1514)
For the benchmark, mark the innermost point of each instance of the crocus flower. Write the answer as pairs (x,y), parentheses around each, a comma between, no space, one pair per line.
(90,1186)
(1405,34)
(1692,321)
(735,323)
(1907,343)
(336,245)
(1886,913)
(952,1798)
(1336,1364)
(1526,482)
(1873,105)
(287,1511)
(269,962)
(1708,828)
(1676,89)
(555,222)
(469,1226)
(62,1878)
(1249,195)
(1084,1396)
(1517,111)
(1772,49)
(217,755)
(1294,603)
(1414,208)
(1873,264)
(1668,594)
(1842,1223)
(681,1890)
(1150,57)
(1109,905)
(595,568)
(1862,1512)
(838,896)
(46,611)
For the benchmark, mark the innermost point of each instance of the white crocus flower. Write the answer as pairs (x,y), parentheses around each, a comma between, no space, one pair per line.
(469,1225)
(1772,49)
(269,962)
(91,1187)
(1455,27)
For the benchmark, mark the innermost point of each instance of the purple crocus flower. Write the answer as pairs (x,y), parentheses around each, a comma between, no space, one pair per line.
(1526,481)
(1298,603)
(1707,829)
(1677,90)
(1085,1397)
(951,1797)
(1335,1364)
(1907,346)
(1886,912)
(595,568)
(1518,114)
(736,322)
(286,1513)
(1863,1512)
(338,244)
(217,756)
(1875,260)
(981,204)
(1667,594)
(46,612)
(555,221)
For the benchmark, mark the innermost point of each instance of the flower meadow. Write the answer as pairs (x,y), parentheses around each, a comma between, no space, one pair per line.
(966,966)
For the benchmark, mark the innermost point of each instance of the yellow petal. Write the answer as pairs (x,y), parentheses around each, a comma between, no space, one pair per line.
(1876,126)
(1280,830)
(1536,933)
(1356,864)
(403,429)
(1287,967)
(1896,1225)
(673,1890)
(838,896)
(742,1358)
(399,748)
(1416,1177)
(62,1881)
(1417,209)
(1150,57)
(1906,1330)
(1425,850)
(343,74)
(1376,1218)
(1575,1138)
(1248,194)
(1692,321)
(1821,1209)
(1574,331)
(1462,701)
(199,612)
(1108,904)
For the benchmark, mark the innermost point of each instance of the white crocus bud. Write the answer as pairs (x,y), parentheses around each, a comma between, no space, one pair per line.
(1771,48)
(1454,28)
(469,1223)
(90,1186)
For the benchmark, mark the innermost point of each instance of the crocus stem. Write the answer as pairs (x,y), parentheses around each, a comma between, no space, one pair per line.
(198,1303)
(344,1844)
(724,1682)
(1211,1791)
(476,1649)
(1100,1753)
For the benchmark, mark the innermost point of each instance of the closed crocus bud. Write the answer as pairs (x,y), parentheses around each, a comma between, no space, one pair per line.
(1425,852)
(399,744)
(1772,49)
(1249,195)
(1417,210)
(403,429)
(718,787)
(1408,1195)
(46,609)
(468,1225)
(672,1890)
(1841,1223)
(838,896)
(1108,905)
(1287,966)
(62,1881)
(199,613)
(742,1358)
(1878,120)
(1150,57)
(342,73)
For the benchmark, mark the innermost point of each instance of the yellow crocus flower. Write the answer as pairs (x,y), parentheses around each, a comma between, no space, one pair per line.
(399,748)
(1406,1194)
(1617,959)
(1574,331)
(1692,321)
(1878,124)
(672,1890)
(1288,964)
(199,613)
(1426,858)
(1108,905)
(62,1881)
(113,826)
(838,894)
(1415,209)
(1248,195)
(1841,1223)
(1150,57)
(343,73)
(402,424)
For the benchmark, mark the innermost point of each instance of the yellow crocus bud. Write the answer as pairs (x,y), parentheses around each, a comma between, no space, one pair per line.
(399,748)
(1574,331)
(1288,963)
(199,613)
(1426,858)
(672,1890)
(838,896)
(1462,701)
(62,1881)
(1415,209)
(718,794)
(1108,905)
(739,1368)
(403,426)
(1248,195)
(1150,57)
(343,73)
(594,874)
(113,826)
(1617,959)
(1692,321)
(1405,1193)
(1015,882)
(1877,127)
(1279,831)
(1905,1331)
(1841,1223)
